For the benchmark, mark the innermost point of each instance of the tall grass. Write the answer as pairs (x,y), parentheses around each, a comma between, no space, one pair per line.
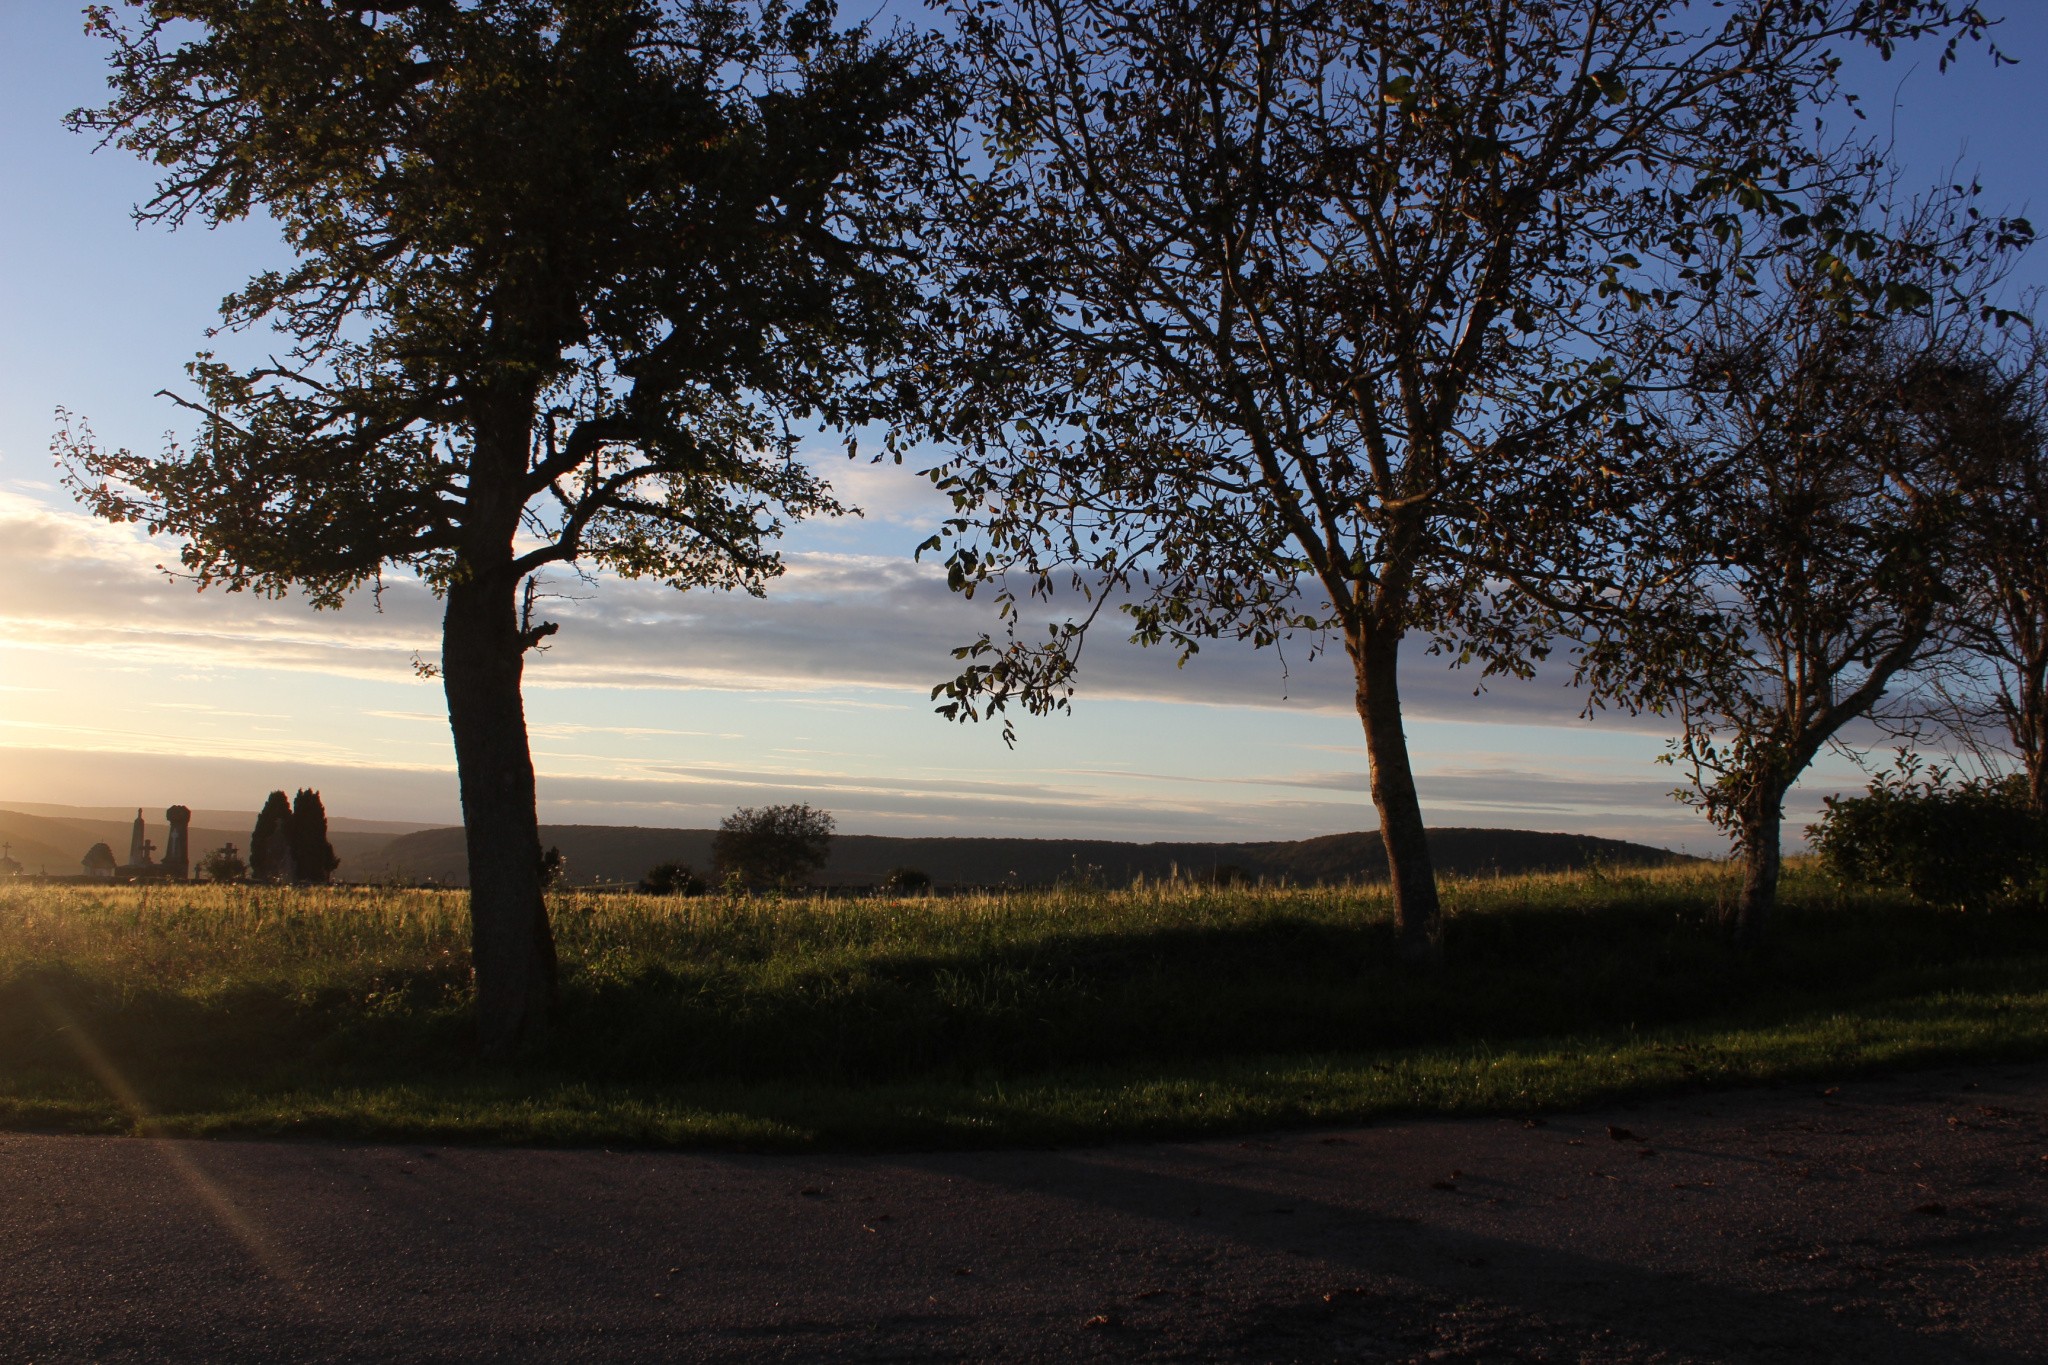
(1164,1007)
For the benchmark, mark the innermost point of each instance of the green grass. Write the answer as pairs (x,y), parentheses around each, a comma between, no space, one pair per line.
(1032,1017)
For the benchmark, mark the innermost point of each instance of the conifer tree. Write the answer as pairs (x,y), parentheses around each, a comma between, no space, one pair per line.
(270,843)
(313,860)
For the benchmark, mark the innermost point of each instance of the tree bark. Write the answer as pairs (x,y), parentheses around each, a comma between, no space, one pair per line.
(2030,733)
(512,949)
(1375,655)
(1762,857)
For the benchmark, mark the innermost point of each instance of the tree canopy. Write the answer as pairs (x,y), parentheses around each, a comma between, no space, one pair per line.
(618,243)
(776,845)
(271,843)
(313,860)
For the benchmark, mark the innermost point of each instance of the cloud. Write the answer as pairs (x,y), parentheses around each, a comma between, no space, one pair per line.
(83,586)
(834,620)
(886,493)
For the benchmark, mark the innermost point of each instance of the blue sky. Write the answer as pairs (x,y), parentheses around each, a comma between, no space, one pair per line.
(118,687)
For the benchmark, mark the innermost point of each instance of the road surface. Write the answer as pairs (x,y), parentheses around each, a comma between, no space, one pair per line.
(1895,1220)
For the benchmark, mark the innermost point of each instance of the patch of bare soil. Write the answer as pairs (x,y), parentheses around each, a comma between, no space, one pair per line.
(1899,1220)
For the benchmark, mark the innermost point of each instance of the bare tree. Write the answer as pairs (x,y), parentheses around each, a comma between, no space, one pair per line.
(1318,315)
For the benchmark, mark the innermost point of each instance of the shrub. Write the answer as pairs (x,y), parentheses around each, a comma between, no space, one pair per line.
(908,881)
(772,845)
(99,861)
(1945,842)
(672,879)
(224,864)
(553,868)
(1081,876)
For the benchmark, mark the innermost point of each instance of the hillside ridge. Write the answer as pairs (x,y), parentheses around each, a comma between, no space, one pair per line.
(600,854)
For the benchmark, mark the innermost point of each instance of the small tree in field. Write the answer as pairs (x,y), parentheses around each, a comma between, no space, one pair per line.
(772,845)
(313,860)
(270,843)
(567,272)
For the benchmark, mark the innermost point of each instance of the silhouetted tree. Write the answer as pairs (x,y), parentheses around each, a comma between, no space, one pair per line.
(565,271)
(776,845)
(1814,527)
(313,860)
(1318,315)
(270,843)
(1996,687)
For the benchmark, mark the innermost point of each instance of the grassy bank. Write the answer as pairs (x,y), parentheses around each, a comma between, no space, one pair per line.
(1033,1017)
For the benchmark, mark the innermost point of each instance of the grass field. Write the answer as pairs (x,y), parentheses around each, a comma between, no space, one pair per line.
(1023,1018)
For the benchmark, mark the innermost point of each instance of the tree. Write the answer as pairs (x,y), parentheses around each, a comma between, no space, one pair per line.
(1820,452)
(2000,680)
(775,845)
(566,272)
(224,864)
(270,843)
(313,860)
(1317,316)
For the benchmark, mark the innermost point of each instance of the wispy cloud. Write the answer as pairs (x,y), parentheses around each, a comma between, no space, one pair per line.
(629,731)
(833,621)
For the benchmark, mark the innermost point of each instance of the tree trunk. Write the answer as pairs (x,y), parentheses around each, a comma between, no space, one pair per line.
(1409,868)
(512,948)
(2030,732)
(1761,859)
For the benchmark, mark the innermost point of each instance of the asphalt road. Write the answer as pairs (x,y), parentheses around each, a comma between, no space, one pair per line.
(1901,1220)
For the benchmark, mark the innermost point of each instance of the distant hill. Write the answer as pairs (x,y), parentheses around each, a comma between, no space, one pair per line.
(55,838)
(612,853)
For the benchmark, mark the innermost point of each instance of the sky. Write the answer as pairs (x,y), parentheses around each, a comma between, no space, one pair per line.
(120,686)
